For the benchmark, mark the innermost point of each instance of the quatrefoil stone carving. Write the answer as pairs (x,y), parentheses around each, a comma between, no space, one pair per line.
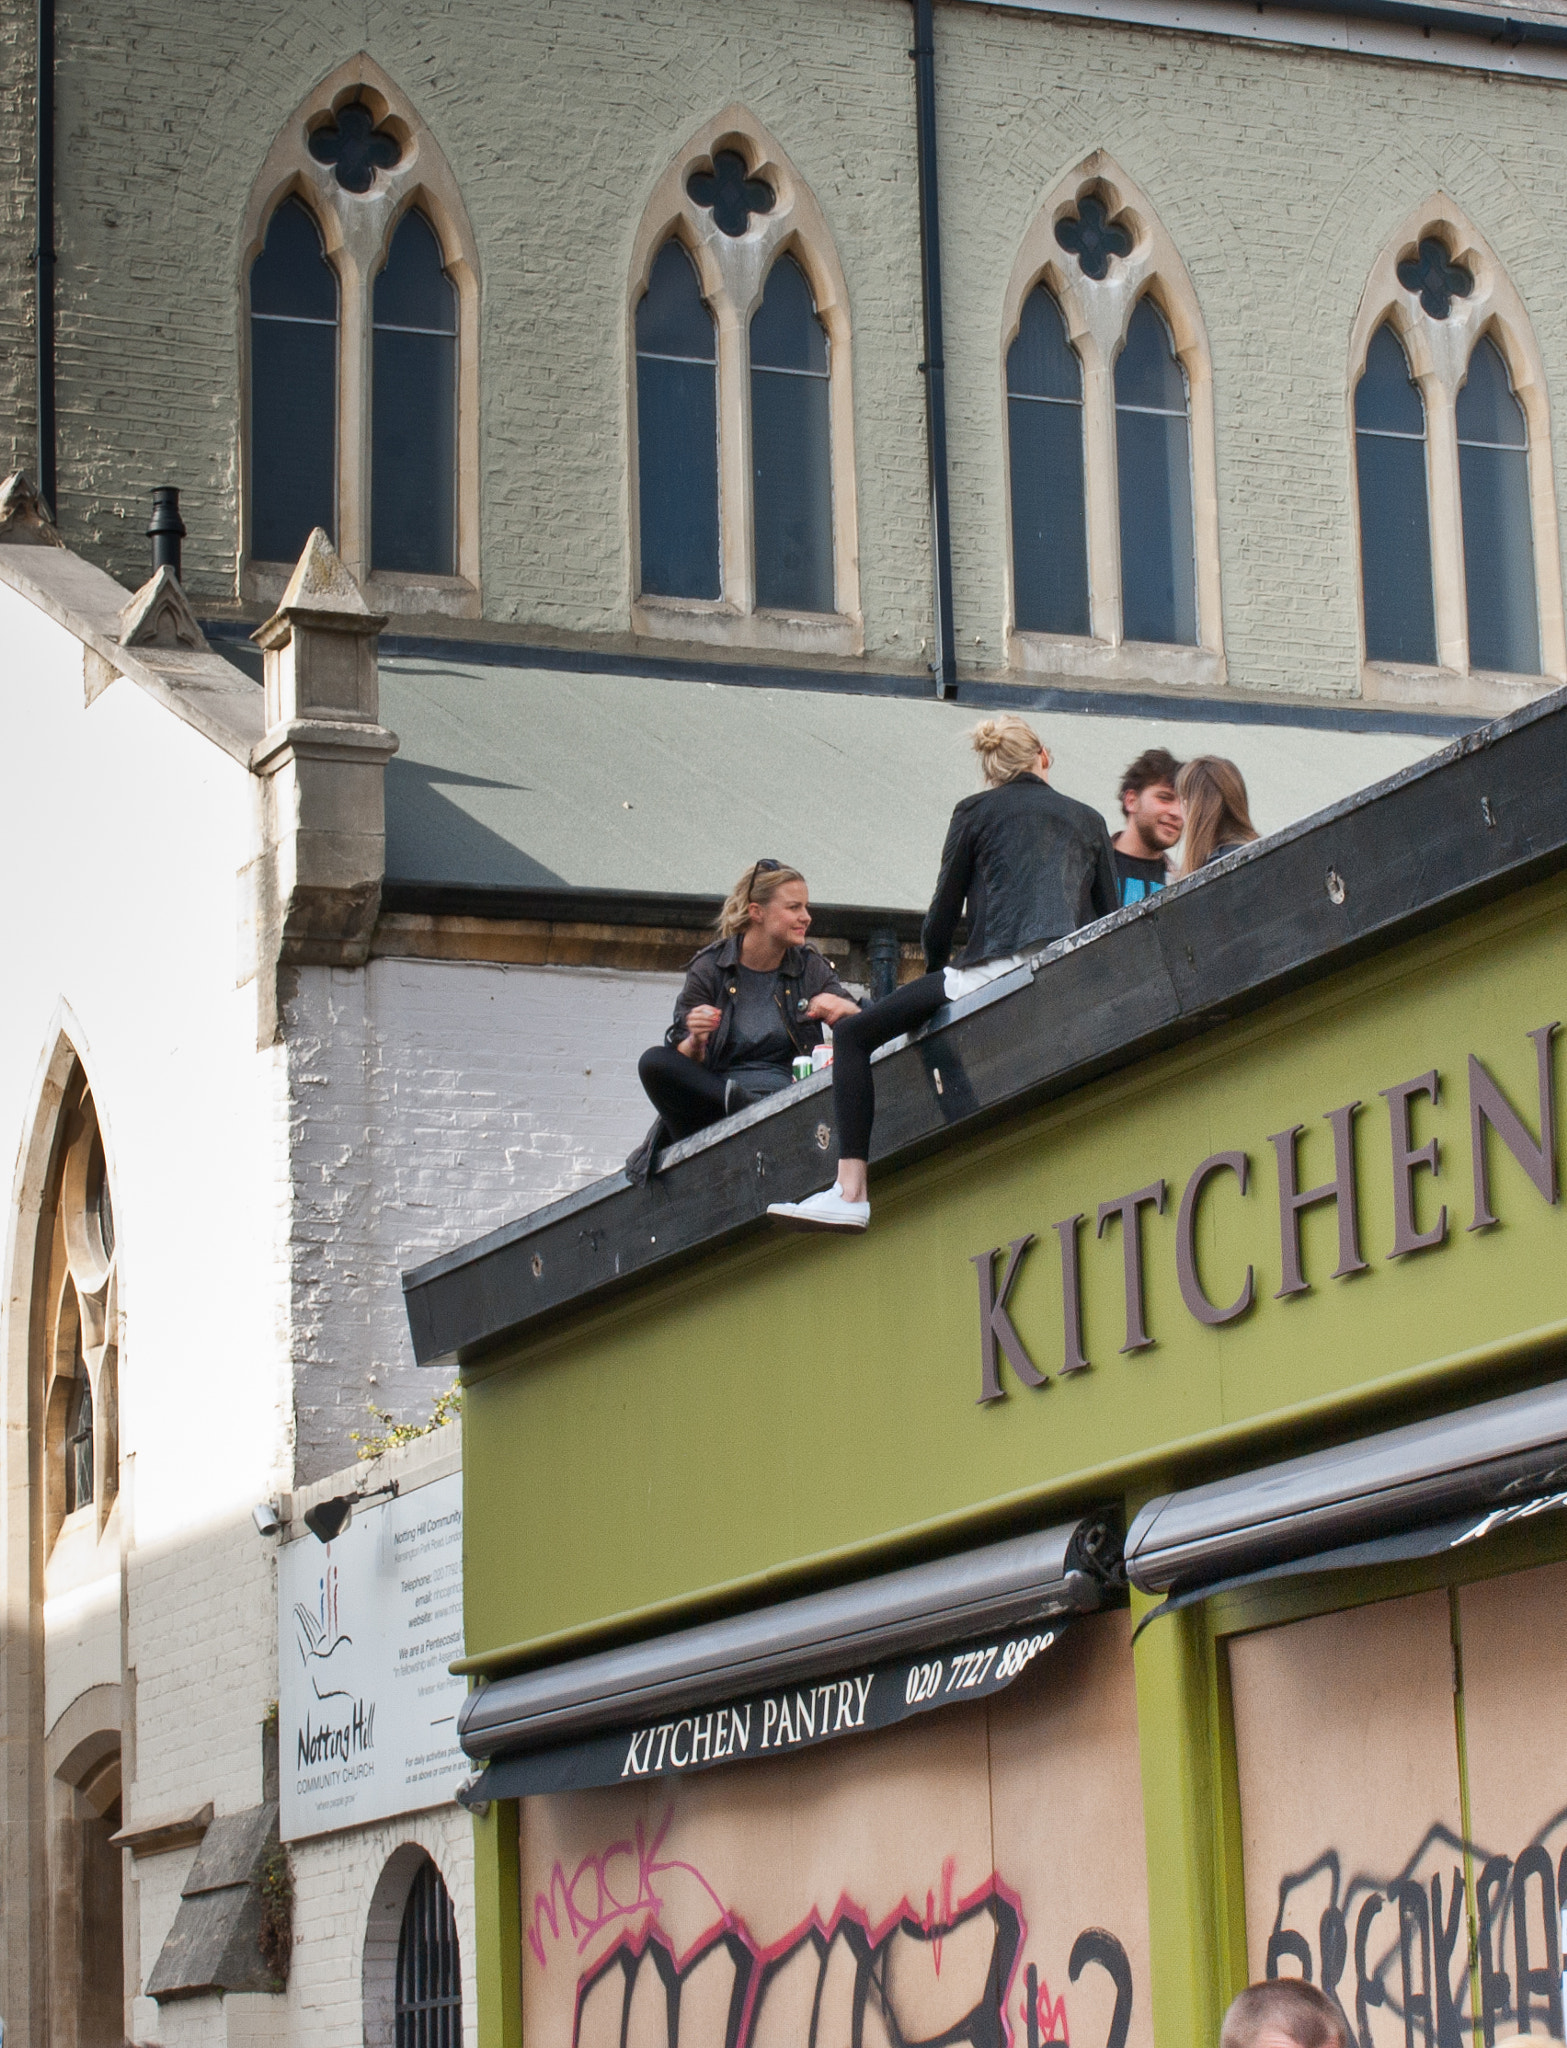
(355,148)
(1093,238)
(1436,278)
(730,194)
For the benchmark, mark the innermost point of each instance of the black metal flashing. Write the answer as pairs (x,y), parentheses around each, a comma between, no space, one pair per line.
(622,907)
(1508,30)
(1477,821)
(1224,707)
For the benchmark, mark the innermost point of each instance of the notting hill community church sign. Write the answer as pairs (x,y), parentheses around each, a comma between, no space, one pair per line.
(1229,1176)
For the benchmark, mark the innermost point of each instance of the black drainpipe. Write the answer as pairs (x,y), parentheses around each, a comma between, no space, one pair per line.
(44,254)
(945,667)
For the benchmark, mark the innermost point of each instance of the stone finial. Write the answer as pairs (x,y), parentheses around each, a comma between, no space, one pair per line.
(24,517)
(320,644)
(159,615)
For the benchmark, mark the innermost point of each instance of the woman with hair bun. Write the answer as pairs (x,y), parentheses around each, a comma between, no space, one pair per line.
(1031,865)
(1213,796)
(753,999)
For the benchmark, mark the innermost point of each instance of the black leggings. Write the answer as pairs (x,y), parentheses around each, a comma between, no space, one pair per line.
(853,1042)
(684,1093)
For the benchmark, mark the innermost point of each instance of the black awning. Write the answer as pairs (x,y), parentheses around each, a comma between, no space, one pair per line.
(1410,1492)
(781,1678)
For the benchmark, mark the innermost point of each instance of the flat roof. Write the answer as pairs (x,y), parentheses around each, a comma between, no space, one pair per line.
(1477,821)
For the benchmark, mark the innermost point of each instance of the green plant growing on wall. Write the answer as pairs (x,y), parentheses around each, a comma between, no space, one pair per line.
(392,1434)
(275,1882)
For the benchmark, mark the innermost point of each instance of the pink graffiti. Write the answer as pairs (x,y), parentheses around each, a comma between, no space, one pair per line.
(1050,2015)
(609,1889)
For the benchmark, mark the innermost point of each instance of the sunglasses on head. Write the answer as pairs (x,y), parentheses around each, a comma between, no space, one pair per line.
(761,867)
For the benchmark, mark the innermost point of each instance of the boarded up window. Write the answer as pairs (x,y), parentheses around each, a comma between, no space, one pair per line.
(974,1876)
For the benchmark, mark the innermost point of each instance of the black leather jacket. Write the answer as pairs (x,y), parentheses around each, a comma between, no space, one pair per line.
(804,975)
(1032,865)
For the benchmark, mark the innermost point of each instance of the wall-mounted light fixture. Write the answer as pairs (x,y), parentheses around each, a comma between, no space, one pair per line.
(329,1518)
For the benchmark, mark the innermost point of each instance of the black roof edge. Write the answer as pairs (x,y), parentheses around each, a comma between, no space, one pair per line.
(1313,714)
(639,907)
(1478,821)
(1459,21)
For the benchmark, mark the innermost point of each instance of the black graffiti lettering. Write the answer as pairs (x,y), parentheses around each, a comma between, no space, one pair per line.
(1098,1945)
(1444,1940)
(1288,1941)
(1414,1918)
(1544,1978)
(1333,1948)
(1031,1988)
(1368,1983)
(1496,1991)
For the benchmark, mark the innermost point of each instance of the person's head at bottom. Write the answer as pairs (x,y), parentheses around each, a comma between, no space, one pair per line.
(1283,2012)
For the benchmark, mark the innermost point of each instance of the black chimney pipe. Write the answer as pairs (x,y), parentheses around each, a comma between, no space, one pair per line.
(166,529)
(945,667)
(44,254)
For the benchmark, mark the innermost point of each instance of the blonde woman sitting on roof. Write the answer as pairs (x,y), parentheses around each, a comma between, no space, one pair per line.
(1031,865)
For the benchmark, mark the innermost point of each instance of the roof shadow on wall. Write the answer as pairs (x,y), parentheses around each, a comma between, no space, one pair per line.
(429,838)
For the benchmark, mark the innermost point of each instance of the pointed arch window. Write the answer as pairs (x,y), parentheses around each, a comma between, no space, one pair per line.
(677,431)
(1153,451)
(745,501)
(413,407)
(293,386)
(1395,523)
(791,445)
(1049,507)
(1493,489)
(364,294)
(427,2012)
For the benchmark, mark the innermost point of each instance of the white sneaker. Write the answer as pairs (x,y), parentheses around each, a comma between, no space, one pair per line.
(826,1211)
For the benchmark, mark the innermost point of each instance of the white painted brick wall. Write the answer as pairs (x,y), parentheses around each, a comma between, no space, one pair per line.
(432,1101)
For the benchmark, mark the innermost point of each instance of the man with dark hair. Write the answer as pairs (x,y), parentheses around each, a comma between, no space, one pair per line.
(1153,822)
(1284,2012)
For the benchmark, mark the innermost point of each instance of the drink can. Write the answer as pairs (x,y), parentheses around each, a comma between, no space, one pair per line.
(821,1057)
(802,1066)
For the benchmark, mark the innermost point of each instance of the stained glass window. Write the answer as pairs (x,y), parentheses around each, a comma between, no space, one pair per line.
(413,408)
(1395,524)
(1493,481)
(1045,430)
(1154,476)
(677,432)
(791,445)
(293,387)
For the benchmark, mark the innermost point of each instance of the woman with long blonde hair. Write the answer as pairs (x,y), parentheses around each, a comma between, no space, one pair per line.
(1030,865)
(1213,796)
(753,999)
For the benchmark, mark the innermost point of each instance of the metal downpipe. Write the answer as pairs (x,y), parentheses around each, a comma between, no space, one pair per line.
(945,667)
(44,255)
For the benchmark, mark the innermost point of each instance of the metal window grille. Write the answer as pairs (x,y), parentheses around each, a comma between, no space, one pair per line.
(428,2009)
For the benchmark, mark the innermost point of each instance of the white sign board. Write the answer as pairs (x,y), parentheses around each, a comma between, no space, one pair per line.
(367,1624)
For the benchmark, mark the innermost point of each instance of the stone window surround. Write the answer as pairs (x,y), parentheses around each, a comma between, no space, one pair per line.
(1097,317)
(1438,352)
(81,1299)
(356,232)
(733,272)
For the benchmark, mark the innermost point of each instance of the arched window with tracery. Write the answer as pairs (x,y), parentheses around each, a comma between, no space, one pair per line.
(293,386)
(1493,488)
(1395,524)
(363,418)
(1153,453)
(677,431)
(745,501)
(1045,435)
(80,1364)
(791,445)
(413,407)
(1459,560)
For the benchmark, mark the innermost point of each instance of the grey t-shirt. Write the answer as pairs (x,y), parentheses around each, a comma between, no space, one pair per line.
(759,1043)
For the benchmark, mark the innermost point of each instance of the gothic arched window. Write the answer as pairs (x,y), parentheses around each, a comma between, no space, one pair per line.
(1154,479)
(1045,430)
(1493,488)
(1395,523)
(293,387)
(413,407)
(791,446)
(78,1436)
(677,431)
(427,2008)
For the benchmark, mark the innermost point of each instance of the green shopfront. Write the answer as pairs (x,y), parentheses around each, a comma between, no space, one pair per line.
(1134,1567)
